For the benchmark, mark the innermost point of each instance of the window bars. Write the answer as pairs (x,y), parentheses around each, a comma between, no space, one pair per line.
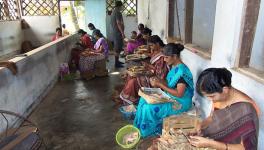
(129,7)
(39,7)
(9,10)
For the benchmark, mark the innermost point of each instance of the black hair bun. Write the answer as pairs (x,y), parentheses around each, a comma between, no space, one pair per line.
(180,47)
(225,74)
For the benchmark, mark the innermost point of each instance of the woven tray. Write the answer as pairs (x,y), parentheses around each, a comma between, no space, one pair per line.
(182,122)
(135,57)
(142,51)
(176,139)
(89,53)
(136,71)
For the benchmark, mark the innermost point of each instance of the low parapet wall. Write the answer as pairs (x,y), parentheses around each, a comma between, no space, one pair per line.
(37,74)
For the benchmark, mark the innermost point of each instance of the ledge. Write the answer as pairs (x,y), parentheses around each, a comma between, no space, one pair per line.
(41,48)
(191,47)
(252,73)
(198,50)
(45,46)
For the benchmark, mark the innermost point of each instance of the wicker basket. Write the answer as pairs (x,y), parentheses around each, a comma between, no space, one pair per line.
(182,122)
(100,68)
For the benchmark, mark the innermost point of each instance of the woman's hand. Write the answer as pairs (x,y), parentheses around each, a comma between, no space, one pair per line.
(200,142)
(156,82)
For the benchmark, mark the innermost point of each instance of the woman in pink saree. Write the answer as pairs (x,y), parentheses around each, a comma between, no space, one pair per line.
(138,41)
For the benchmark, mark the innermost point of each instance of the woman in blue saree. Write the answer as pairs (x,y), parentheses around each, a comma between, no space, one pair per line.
(178,85)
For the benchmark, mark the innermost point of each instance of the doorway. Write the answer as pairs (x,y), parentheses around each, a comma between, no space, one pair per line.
(72,14)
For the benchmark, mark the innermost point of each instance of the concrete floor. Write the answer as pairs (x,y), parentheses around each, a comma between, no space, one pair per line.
(80,115)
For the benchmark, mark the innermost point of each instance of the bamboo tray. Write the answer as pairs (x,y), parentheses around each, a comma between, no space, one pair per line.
(182,122)
(175,132)
(136,71)
(142,51)
(135,57)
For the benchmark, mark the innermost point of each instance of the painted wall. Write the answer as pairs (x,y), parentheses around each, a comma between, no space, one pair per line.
(257,56)
(224,50)
(11,36)
(130,25)
(95,12)
(203,23)
(41,30)
(203,19)
(37,73)
(153,14)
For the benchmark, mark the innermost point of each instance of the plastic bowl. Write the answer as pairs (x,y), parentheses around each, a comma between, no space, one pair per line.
(122,132)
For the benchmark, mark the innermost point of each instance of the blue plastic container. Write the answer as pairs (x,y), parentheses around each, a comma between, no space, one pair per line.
(127,115)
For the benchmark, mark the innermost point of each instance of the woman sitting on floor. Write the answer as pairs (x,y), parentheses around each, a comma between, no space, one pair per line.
(93,61)
(137,41)
(101,45)
(178,85)
(83,44)
(233,123)
(146,34)
(157,66)
(85,40)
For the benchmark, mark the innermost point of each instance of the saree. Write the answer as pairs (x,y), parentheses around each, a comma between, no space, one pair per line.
(86,41)
(131,46)
(102,42)
(78,49)
(129,94)
(149,117)
(236,127)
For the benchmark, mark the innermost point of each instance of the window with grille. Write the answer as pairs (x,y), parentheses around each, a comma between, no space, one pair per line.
(39,7)
(130,7)
(9,10)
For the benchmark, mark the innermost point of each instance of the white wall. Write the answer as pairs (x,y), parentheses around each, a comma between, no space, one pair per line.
(95,12)
(11,36)
(143,11)
(41,30)
(37,73)
(130,25)
(257,56)
(227,29)
(155,18)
